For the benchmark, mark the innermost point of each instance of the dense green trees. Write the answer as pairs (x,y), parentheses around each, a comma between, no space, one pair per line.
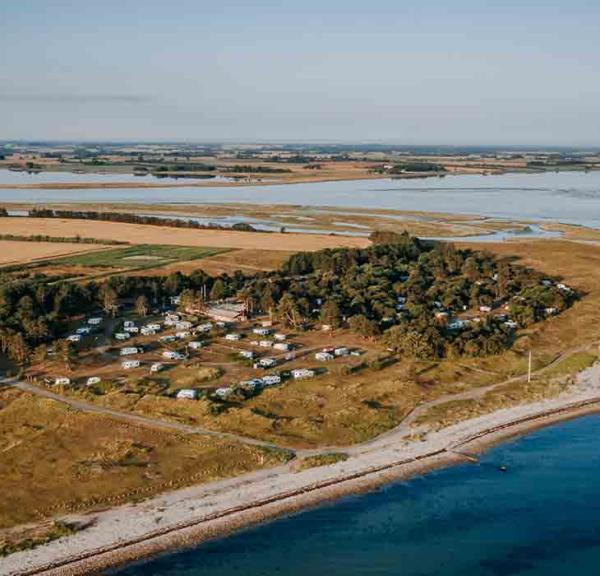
(412,292)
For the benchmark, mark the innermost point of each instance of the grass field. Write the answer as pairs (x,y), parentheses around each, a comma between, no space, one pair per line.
(88,461)
(16,252)
(142,256)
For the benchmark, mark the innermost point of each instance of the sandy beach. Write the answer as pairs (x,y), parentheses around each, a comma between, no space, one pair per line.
(188,516)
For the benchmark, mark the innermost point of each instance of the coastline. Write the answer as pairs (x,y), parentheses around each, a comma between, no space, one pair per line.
(132,532)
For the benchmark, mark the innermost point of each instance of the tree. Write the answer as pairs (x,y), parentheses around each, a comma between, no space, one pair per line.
(109,299)
(330,314)
(66,353)
(288,311)
(414,343)
(142,305)
(218,290)
(362,326)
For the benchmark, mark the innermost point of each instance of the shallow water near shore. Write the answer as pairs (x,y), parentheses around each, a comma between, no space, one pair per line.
(540,517)
(570,197)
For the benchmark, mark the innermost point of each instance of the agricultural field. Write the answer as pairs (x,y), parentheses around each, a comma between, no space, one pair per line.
(147,234)
(17,252)
(137,257)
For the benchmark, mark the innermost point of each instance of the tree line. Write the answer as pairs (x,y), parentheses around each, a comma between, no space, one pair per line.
(400,289)
(131,218)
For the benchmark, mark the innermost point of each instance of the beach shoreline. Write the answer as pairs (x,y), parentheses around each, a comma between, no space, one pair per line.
(132,533)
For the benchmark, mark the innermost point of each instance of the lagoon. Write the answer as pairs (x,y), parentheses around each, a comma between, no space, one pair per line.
(569,197)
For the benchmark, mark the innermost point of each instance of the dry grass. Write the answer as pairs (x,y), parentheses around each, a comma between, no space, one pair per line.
(145,234)
(54,460)
(248,261)
(15,252)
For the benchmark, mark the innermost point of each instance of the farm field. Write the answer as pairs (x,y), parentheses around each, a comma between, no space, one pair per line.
(16,252)
(141,256)
(146,234)
(248,261)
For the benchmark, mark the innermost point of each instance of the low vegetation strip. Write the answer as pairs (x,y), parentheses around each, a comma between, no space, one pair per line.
(321,460)
(131,218)
(60,239)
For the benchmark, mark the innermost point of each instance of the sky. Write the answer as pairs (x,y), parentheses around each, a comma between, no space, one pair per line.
(390,71)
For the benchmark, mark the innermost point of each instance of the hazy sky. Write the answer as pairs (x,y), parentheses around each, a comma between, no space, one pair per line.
(403,71)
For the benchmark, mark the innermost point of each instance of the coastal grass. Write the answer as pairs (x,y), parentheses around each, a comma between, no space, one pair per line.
(320,460)
(89,461)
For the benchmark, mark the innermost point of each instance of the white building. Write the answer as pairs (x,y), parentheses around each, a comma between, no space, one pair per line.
(323,357)
(62,381)
(232,337)
(248,354)
(302,373)
(224,392)
(195,345)
(127,364)
(183,334)
(156,367)
(172,355)
(341,351)
(93,380)
(261,331)
(74,338)
(271,380)
(84,330)
(284,346)
(187,394)
(122,336)
(129,350)
(266,343)
(267,362)
(94,321)
(280,336)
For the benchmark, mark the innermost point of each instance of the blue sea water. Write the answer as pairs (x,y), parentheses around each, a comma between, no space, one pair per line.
(540,517)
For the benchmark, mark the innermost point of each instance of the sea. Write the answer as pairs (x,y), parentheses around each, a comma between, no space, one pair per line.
(538,517)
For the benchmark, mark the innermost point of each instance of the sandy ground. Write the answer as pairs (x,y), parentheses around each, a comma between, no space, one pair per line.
(185,517)
(13,252)
(144,234)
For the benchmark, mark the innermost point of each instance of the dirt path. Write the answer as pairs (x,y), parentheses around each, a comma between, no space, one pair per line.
(130,417)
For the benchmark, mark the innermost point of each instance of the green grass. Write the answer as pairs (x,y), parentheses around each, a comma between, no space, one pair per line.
(572,364)
(321,460)
(138,257)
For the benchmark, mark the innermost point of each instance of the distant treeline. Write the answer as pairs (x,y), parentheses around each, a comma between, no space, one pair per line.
(416,167)
(244,168)
(135,219)
(184,168)
(61,239)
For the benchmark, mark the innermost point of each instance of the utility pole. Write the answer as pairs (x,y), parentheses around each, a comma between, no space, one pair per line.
(529,370)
